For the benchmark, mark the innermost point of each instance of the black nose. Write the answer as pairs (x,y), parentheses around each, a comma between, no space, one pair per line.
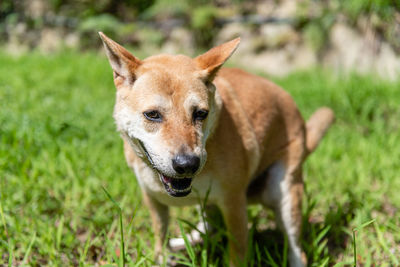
(186,164)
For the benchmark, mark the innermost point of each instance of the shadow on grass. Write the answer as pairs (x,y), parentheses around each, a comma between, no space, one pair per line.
(325,239)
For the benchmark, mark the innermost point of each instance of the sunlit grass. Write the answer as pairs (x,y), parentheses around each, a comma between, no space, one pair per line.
(59,147)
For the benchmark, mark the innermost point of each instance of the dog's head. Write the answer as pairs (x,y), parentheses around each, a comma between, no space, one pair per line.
(167,107)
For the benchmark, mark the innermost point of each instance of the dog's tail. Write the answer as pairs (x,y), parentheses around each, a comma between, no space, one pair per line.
(317,126)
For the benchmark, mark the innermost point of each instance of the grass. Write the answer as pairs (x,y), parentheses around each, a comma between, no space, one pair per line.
(59,148)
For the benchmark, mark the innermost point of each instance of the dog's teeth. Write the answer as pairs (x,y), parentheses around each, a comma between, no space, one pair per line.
(182,191)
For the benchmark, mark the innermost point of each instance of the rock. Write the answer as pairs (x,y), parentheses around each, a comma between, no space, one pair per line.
(278,35)
(286,9)
(346,44)
(233,30)
(15,45)
(280,62)
(265,8)
(50,40)
(388,64)
(180,41)
(35,8)
(148,39)
(304,57)
(272,62)
(365,54)
(71,40)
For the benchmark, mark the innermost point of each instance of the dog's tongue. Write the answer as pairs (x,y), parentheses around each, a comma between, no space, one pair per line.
(166,178)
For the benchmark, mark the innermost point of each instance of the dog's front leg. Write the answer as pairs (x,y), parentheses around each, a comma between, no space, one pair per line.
(160,216)
(234,212)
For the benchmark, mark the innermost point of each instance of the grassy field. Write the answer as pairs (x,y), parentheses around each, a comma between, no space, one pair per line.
(59,147)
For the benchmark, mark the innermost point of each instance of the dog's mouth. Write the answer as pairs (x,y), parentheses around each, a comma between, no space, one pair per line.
(176,187)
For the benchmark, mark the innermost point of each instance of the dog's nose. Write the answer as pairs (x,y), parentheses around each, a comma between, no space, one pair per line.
(186,164)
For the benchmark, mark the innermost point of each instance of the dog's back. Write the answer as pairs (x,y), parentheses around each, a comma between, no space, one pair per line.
(270,111)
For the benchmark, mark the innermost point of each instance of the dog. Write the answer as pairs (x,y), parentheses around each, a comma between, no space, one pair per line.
(192,129)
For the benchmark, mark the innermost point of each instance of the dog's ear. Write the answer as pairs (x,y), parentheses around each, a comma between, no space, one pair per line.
(211,61)
(122,62)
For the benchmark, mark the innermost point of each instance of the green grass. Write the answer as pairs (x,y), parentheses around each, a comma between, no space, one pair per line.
(59,148)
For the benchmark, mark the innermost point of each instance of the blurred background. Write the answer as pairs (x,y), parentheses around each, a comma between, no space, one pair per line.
(278,36)
(59,147)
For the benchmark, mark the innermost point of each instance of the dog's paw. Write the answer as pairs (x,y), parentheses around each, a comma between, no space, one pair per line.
(178,244)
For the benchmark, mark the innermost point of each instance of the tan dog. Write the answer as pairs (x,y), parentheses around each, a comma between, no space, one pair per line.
(239,136)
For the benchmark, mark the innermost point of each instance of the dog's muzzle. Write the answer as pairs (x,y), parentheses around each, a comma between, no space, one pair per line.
(176,187)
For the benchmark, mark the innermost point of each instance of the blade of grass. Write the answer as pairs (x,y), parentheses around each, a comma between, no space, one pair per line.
(354,239)
(122,247)
(321,235)
(10,253)
(325,262)
(59,232)
(258,255)
(112,255)
(204,260)
(28,250)
(285,250)
(384,245)
(270,259)
(188,246)
(203,205)
(339,264)
(3,220)
(130,226)
(85,249)
(140,262)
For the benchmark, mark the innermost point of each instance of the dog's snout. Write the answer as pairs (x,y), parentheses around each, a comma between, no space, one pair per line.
(186,164)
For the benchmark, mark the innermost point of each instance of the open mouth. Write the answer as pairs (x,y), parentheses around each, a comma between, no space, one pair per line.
(176,187)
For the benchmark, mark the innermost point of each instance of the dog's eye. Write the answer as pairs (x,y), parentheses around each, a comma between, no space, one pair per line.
(153,115)
(200,114)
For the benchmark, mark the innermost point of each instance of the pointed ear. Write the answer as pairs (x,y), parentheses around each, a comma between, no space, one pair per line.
(211,61)
(122,62)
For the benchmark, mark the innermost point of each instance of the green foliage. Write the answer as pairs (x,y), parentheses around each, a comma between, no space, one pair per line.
(6,7)
(315,35)
(167,8)
(106,23)
(111,26)
(59,147)
(88,8)
(150,36)
(203,24)
(316,21)
(140,5)
(200,16)
(384,8)
(316,31)
(119,18)
(203,17)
